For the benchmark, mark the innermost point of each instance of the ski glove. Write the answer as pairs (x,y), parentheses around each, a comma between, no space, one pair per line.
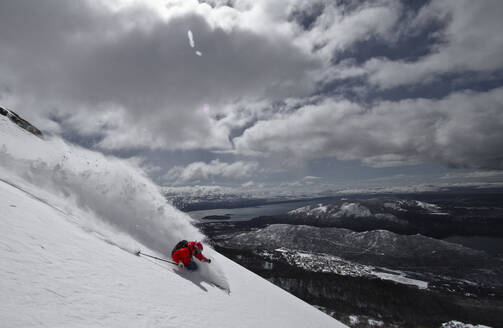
(181,265)
(208,261)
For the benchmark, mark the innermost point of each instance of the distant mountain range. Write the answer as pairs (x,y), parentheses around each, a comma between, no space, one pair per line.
(195,198)
(372,257)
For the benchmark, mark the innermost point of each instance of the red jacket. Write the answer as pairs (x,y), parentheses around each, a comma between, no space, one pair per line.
(185,254)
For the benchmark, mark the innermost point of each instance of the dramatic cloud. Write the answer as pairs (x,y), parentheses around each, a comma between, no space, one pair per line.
(128,77)
(318,79)
(470,42)
(339,27)
(124,74)
(464,129)
(200,171)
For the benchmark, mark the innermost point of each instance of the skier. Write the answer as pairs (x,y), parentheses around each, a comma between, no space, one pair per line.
(183,251)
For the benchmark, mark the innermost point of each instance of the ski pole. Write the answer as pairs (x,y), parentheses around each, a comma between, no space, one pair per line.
(154,257)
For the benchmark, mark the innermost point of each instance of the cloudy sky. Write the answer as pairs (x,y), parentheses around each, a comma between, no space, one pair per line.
(266,95)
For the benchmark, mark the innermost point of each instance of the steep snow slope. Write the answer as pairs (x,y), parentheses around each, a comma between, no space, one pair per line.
(113,192)
(69,219)
(53,273)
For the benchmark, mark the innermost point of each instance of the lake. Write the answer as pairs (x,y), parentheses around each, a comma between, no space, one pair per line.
(248,213)
(491,245)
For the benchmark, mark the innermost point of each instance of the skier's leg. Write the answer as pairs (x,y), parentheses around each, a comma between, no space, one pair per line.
(192,266)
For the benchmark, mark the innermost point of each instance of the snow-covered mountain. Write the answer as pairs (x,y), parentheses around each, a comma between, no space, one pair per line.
(70,220)
(451,216)
(457,324)
(377,247)
(360,277)
(355,210)
(358,210)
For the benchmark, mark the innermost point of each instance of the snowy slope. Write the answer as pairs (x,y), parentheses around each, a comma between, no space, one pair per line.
(69,219)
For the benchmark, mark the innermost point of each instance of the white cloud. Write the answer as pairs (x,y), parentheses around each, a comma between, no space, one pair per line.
(127,66)
(310,179)
(200,171)
(464,129)
(121,73)
(125,75)
(338,28)
(248,184)
(198,191)
(474,175)
(472,43)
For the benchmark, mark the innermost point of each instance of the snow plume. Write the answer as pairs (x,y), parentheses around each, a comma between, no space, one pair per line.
(106,191)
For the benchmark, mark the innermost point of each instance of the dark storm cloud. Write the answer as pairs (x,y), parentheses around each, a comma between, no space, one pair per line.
(134,75)
(441,41)
(462,130)
(382,82)
(470,42)
(307,16)
(408,44)
(439,53)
